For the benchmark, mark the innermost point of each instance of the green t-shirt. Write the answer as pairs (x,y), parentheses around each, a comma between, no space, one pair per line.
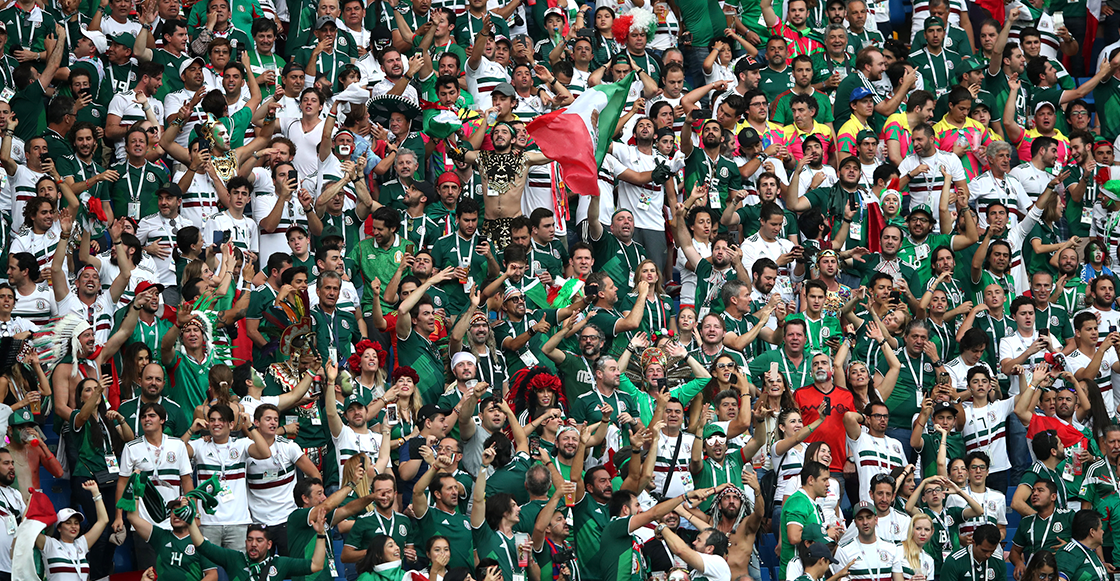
(371,524)
(238,567)
(946,535)
(617,259)
(372,262)
(28,105)
(576,375)
(492,544)
(709,283)
(618,560)
(133,194)
(177,558)
(818,331)
(192,379)
(797,376)
(339,331)
(511,479)
(931,443)
(92,448)
(450,250)
(1035,533)
(774,83)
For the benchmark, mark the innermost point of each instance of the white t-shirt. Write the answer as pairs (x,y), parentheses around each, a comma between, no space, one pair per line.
(986,190)
(681,482)
(900,561)
(645,201)
(873,561)
(1104,378)
(291,215)
(11,507)
(125,106)
(306,158)
(754,247)
(243,231)
(66,561)
(1033,180)
(873,456)
(156,228)
(1015,344)
(925,188)
(715,568)
(985,429)
(805,178)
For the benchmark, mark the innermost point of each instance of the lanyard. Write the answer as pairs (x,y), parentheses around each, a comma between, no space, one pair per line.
(158,451)
(977,567)
(392,520)
(1045,529)
(725,470)
(470,249)
(1057,481)
(333,326)
(134,195)
(656,314)
(940,518)
(944,66)
(509,553)
(19,27)
(920,376)
(491,374)
(802,370)
(1089,556)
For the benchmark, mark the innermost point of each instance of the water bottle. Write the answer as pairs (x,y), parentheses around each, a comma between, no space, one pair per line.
(491,117)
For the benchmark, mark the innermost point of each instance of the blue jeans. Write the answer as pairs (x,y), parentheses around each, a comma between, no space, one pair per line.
(1018,450)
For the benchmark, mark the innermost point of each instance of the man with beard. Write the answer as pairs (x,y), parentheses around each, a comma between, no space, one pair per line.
(152,381)
(383,520)
(874,451)
(647,201)
(888,261)
(615,245)
(380,256)
(920,242)
(12,508)
(866,553)
(519,335)
(758,118)
(1034,174)
(924,171)
(706,167)
(87,298)
(1008,62)
(809,140)
(1080,185)
(1070,289)
(1045,88)
(81,172)
(724,264)
(258,560)
(1049,452)
(769,243)
(443,517)
(489,365)
(831,431)
(551,532)
(712,332)
(869,67)
(802,85)
(1050,526)
(775,78)
(836,293)
(576,368)
(934,61)
(716,465)
(831,65)
(504,174)
(897,128)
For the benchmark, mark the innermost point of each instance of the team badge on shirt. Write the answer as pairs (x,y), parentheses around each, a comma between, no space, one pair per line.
(171,457)
(189,550)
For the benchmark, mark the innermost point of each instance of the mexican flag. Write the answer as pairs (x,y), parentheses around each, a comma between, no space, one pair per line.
(578,135)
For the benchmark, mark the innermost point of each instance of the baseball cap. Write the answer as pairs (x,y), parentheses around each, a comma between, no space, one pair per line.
(21,417)
(944,406)
(323,21)
(866,134)
(968,65)
(427,412)
(859,93)
(933,21)
(425,188)
(748,137)
(749,63)
(100,42)
(172,189)
(147,284)
(124,38)
(188,62)
(818,551)
(502,38)
(292,66)
(504,89)
(66,513)
(847,160)
(1042,104)
(353,400)
(923,208)
(510,293)
(554,10)
(712,430)
(862,506)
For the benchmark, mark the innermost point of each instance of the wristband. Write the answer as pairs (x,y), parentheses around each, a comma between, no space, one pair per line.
(250,428)
(324,537)
(97,498)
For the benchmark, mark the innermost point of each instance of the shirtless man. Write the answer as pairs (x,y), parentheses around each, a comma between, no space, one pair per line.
(504,172)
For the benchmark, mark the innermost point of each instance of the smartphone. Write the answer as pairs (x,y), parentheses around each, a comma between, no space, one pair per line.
(685,38)
(86,92)
(896,296)
(535,445)
(391,414)
(661,384)
(221,237)
(293,175)
(44,157)
(1112,328)
(943,377)
(827,406)
(1044,332)
(702,114)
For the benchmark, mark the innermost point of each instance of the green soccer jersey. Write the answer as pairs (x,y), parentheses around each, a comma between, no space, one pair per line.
(192,379)
(606,320)
(133,194)
(909,389)
(719,174)
(1054,318)
(177,559)
(709,282)
(1036,533)
(531,509)
(337,331)
(1076,562)
(619,557)
(511,478)
(800,510)
(714,473)
(774,83)
(92,449)
(962,566)
(617,259)
(417,351)
(176,424)
(818,331)
(238,568)
(796,375)
(492,544)
(589,518)
(656,315)
(576,375)
(586,408)
(301,544)
(1040,471)
(946,533)
(550,257)
(920,254)
(530,353)
(456,250)
(456,527)
(371,524)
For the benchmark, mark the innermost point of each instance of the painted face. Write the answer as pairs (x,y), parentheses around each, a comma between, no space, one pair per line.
(221,136)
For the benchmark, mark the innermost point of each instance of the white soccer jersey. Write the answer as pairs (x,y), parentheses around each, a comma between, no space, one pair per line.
(200,201)
(347,298)
(242,231)
(271,482)
(1033,180)
(12,508)
(38,308)
(23,191)
(291,215)
(874,456)
(156,228)
(646,201)
(228,462)
(124,105)
(350,443)
(903,567)
(873,561)
(681,482)
(985,430)
(994,503)
(986,190)
(66,561)
(42,246)
(165,464)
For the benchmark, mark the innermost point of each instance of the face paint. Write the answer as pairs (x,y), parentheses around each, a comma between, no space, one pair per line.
(344,149)
(221,136)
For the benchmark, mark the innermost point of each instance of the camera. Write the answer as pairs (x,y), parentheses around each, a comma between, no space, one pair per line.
(702,114)
(565,555)
(591,290)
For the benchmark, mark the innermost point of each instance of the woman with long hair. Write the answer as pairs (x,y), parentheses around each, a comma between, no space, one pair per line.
(725,375)
(776,397)
(532,390)
(65,553)
(1042,567)
(354,471)
(367,369)
(92,426)
(790,450)
(382,561)
(438,550)
(830,502)
(1096,261)
(858,378)
(603,38)
(405,398)
(135,358)
(658,314)
(911,561)
(220,391)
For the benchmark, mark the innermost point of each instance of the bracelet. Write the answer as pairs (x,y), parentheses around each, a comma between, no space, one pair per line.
(880,343)
(64,235)
(97,498)
(250,428)
(321,536)
(939,363)
(116,242)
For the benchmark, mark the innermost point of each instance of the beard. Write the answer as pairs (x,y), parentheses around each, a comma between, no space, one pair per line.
(821,376)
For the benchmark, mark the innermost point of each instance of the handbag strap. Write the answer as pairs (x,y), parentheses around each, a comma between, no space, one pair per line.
(672,465)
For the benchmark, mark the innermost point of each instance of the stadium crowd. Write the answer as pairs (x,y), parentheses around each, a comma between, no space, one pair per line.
(557,290)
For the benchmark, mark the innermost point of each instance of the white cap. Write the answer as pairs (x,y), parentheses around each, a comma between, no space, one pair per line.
(100,43)
(65,514)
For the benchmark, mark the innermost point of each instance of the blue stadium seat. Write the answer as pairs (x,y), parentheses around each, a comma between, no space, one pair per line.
(1013,519)
(764,574)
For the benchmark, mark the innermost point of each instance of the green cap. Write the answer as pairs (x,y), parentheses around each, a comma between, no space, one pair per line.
(933,21)
(968,65)
(713,429)
(865,134)
(124,38)
(924,208)
(21,417)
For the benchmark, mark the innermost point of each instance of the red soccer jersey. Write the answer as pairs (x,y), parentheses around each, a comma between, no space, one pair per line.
(831,431)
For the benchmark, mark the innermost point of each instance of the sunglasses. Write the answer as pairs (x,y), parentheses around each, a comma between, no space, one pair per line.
(725,365)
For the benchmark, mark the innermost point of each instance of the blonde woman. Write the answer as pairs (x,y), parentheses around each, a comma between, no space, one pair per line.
(354,471)
(911,561)
(658,315)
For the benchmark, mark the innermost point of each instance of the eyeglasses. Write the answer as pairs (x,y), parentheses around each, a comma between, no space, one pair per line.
(589,338)
(978,467)
(1075,114)
(1047,576)
(881,416)
(152,130)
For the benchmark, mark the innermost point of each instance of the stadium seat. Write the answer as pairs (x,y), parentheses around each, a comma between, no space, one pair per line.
(764,574)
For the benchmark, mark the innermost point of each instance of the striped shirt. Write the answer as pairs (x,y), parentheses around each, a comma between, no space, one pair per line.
(349,443)
(873,561)
(873,456)
(38,307)
(165,464)
(271,481)
(228,462)
(985,430)
(66,561)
